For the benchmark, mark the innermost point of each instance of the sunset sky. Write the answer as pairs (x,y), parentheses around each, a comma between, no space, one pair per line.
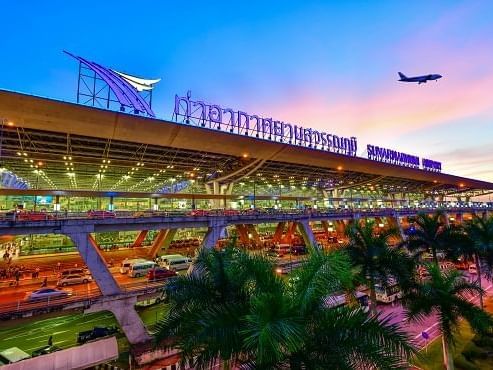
(330,65)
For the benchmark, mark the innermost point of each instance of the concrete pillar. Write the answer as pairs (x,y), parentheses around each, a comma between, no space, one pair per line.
(140,238)
(253,231)
(95,262)
(212,236)
(278,233)
(130,322)
(162,241)
(307,234)
(242,233)
(325,226)
(288,238)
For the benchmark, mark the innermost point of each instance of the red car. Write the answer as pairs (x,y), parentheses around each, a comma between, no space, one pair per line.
(231,212)
(198,212)
(33,216)
(101,214)
(159,274)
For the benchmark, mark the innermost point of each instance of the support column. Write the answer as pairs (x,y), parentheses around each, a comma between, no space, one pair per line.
(130,322)
(395,222)
(307,234)
(278,233)
(325,226)
(95,262)
(253,231)
(243,233)
(140,238)
(212,236)
(162,241)
(288,238)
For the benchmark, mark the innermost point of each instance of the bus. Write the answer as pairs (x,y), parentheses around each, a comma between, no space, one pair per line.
(339,300)
(138,269)
(388,294)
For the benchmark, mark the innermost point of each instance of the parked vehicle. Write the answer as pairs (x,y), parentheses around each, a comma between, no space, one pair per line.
(47,293)
(159,273)
(461,265)
(389,293)
(446,266)
(96,333)
(33,216)
(45,350)
(127,262)
(162,260)
(74,271)
(279,250)
(74,279)
(178,263)
(473,270)
(198,212)
(12,355)
(299,250)
(339,300)
(140,268)
(101,214)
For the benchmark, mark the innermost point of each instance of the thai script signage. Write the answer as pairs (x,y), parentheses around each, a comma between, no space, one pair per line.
(377,153)
(214,116)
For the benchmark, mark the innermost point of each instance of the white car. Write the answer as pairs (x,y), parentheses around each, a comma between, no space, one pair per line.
(74,279)
(47,293)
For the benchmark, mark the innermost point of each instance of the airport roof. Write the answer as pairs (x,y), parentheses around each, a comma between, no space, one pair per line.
(77,147)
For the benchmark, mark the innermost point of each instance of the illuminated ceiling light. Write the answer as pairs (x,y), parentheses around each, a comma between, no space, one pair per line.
(339,168)
(24,154)
(245,155)
(65,157)
(25,160)
(19,153)
(70,158)
(10,123)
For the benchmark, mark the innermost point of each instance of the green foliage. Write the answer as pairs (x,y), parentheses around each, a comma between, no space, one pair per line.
(463,364)
(234,309)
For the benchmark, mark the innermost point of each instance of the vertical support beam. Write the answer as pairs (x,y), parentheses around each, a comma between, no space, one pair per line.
(130,322)
(288,238)
(253,231)
(278,233)
(396,223)
(140,238)
(242,233)
(325,226)
(162,241)
(212,236)
(94,260)
(307,234)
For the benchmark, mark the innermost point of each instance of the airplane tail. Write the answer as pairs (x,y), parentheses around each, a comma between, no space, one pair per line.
(402,75)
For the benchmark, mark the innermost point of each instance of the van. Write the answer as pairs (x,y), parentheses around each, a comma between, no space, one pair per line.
(178,263)
(140,268)
(280,250)
(74,271)
(127,262)
(162,260)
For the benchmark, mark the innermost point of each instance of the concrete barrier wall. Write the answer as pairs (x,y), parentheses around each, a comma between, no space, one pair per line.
(79,357)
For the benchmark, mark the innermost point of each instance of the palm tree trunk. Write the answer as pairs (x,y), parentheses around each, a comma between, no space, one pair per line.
(478,269)
(448,359)
(373,297)
(435,257)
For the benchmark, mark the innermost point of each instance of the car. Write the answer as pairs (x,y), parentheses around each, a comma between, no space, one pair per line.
(45,350)
(33,216)
(298,250)
(47,293)
(159,273)
(73,271)
(198,212)
(101,214)
(95,333)
(461,265)
(473,270)
(74,279)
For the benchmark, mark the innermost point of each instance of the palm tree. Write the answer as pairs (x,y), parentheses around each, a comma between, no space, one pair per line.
(445,295)
(431,234)
(376,260)
(480,245)
(233,308)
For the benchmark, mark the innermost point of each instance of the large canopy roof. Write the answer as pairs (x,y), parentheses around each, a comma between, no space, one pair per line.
(85,148)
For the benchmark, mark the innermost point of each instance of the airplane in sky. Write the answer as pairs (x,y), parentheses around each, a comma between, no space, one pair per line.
(419,79)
